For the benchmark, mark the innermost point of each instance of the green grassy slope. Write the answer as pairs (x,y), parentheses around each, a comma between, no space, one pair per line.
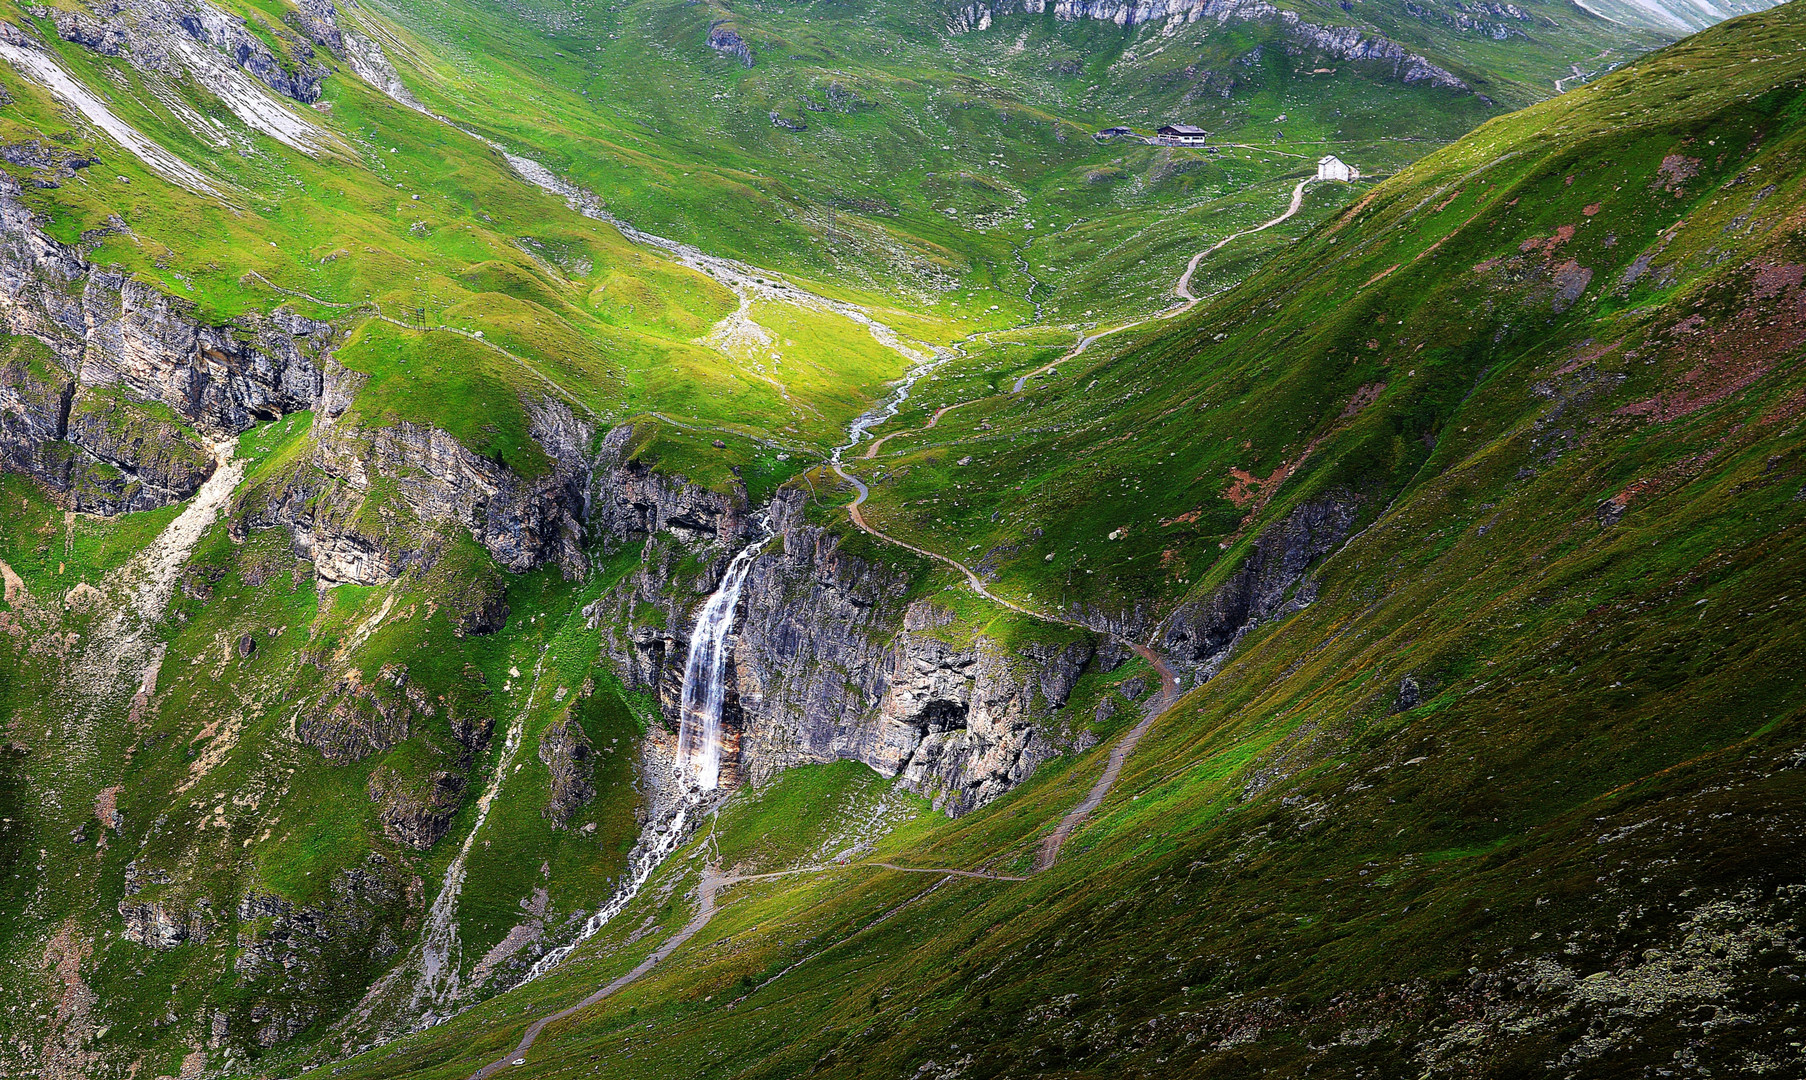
(938,197)
(205,807)
(220,805)
(1348,364)
(1518,791)
(404,218)
(937,163)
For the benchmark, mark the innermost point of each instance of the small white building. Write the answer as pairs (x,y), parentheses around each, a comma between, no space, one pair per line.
(1331,167)
(1181,135)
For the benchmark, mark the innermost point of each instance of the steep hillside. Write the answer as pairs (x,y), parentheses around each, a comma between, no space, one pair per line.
(1502,772)
(385,391)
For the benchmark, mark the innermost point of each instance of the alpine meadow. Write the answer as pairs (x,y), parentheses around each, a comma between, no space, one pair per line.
(929,540)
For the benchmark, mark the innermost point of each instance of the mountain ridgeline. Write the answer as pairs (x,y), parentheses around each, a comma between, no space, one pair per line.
(714,538)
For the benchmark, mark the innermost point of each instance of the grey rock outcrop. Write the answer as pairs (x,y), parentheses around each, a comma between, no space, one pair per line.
(156,34)
(104,37)
(368,501)
(1270,581)
(152,462)
(34,412)
(417,815)
(51,163)
(832,662)
(158,924)
(1338,42)
(972,723)
(1350,44)
(87,412)
(628,500)
(724,39)
(566,750)
(319,20)
(1410,696)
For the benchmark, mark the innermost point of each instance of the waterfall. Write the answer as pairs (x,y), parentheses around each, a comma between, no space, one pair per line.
(705,676)
(698,748)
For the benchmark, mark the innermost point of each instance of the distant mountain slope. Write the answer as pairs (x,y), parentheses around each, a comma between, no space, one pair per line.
(1669,16)
(933,150)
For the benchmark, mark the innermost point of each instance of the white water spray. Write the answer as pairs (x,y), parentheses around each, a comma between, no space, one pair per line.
(655,844)
(705,676)
(698,749)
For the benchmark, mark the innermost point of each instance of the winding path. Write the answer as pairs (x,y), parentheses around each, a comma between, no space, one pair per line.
(713,883)
(948,871)
(1168,694)
(855,508)
(1182,290)
(1049,851)
(705,910)
(1152,710)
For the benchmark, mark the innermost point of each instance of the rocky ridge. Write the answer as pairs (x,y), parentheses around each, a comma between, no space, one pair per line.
(366,503)
(115,388)
(1338,42)
(154,34)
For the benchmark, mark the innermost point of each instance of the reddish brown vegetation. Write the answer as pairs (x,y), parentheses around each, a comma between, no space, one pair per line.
(1738,351)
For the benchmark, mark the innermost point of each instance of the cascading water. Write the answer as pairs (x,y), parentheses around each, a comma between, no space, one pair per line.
(704,692)
(698,747)
(658,841)
(705,677)
(861,427)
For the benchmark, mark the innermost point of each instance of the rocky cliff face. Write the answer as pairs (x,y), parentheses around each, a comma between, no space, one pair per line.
(162,35)
(115,406)
(367,502)
(1336,42)
(832,662)
(34,413)
(114,389)
(1271,581)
